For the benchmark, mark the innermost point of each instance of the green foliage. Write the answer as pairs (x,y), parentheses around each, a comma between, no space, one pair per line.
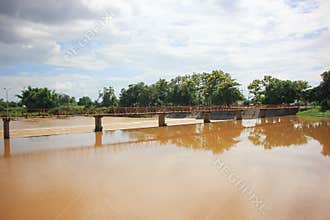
(220,89)
(325,86)
(38,98)
(108,97)
(324,91)
(35,98)
(2,105)
(321,93)
(271,90)
(85,101)
(184,91)
(65,100)
(315,112)
(161,90)
(137,95)
(256,89)
(325,105)
(216,88)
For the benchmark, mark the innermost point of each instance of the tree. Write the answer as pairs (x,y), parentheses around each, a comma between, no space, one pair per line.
(2,104)
(271,90)
(65,100)
(38,98)
(220,89)
(85,101)
(108,97)
(256,89)
(183,91)
(216,88)
(301,88)
(324,91)
(161,90)
(321,93)
(325,85)
(11,104)
(137,95)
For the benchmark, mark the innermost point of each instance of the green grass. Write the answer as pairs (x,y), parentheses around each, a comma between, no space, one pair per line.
(315,112)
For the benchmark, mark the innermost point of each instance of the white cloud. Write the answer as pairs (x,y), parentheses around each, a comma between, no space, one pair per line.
(166,38)
(77,85)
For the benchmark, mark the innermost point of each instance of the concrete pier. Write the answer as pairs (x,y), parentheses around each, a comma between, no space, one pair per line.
(7,147)
(206,116)
(98,123)
(161,120)
(262,113)
(239,114)
(6,134)
(98,139)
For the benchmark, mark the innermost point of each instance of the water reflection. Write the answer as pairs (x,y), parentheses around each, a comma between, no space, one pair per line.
(221,136)
(216,137)
(290,131)
(6,148)
(277,132)
(98,139)
(319,131)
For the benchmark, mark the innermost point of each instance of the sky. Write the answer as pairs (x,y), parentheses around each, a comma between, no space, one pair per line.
(79,46)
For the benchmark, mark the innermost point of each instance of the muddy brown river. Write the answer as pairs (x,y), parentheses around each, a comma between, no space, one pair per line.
(272,168)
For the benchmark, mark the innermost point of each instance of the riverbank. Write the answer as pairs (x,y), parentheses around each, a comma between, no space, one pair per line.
(315,112)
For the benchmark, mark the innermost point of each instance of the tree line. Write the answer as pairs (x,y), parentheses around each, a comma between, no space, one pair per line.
(215,88)
(270,90)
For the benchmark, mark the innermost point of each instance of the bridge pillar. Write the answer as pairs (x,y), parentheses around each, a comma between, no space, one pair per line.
(262,113)
(239,114)
(6,134)
(98,139)
(7,147)
(206,116)
(98,123)
(161,120)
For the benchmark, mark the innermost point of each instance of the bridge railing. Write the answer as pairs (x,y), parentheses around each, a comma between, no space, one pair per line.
(138,110)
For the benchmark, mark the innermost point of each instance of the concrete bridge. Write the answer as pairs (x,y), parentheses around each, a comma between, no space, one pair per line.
(205,112)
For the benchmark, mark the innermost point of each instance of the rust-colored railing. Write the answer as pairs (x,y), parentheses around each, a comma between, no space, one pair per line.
(121,111)
(185,109)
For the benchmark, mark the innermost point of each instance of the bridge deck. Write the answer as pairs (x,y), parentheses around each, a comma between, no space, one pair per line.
(122,111)
(149,110)
(161,111)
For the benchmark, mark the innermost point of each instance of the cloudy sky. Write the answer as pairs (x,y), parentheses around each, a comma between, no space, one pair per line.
(79,46)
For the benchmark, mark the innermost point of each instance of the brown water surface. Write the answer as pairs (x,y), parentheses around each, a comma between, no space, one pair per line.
(273,168)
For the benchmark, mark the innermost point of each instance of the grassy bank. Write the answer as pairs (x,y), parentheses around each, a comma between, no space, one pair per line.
(315,112)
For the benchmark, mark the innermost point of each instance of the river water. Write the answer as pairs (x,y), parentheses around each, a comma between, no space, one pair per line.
(273,168)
